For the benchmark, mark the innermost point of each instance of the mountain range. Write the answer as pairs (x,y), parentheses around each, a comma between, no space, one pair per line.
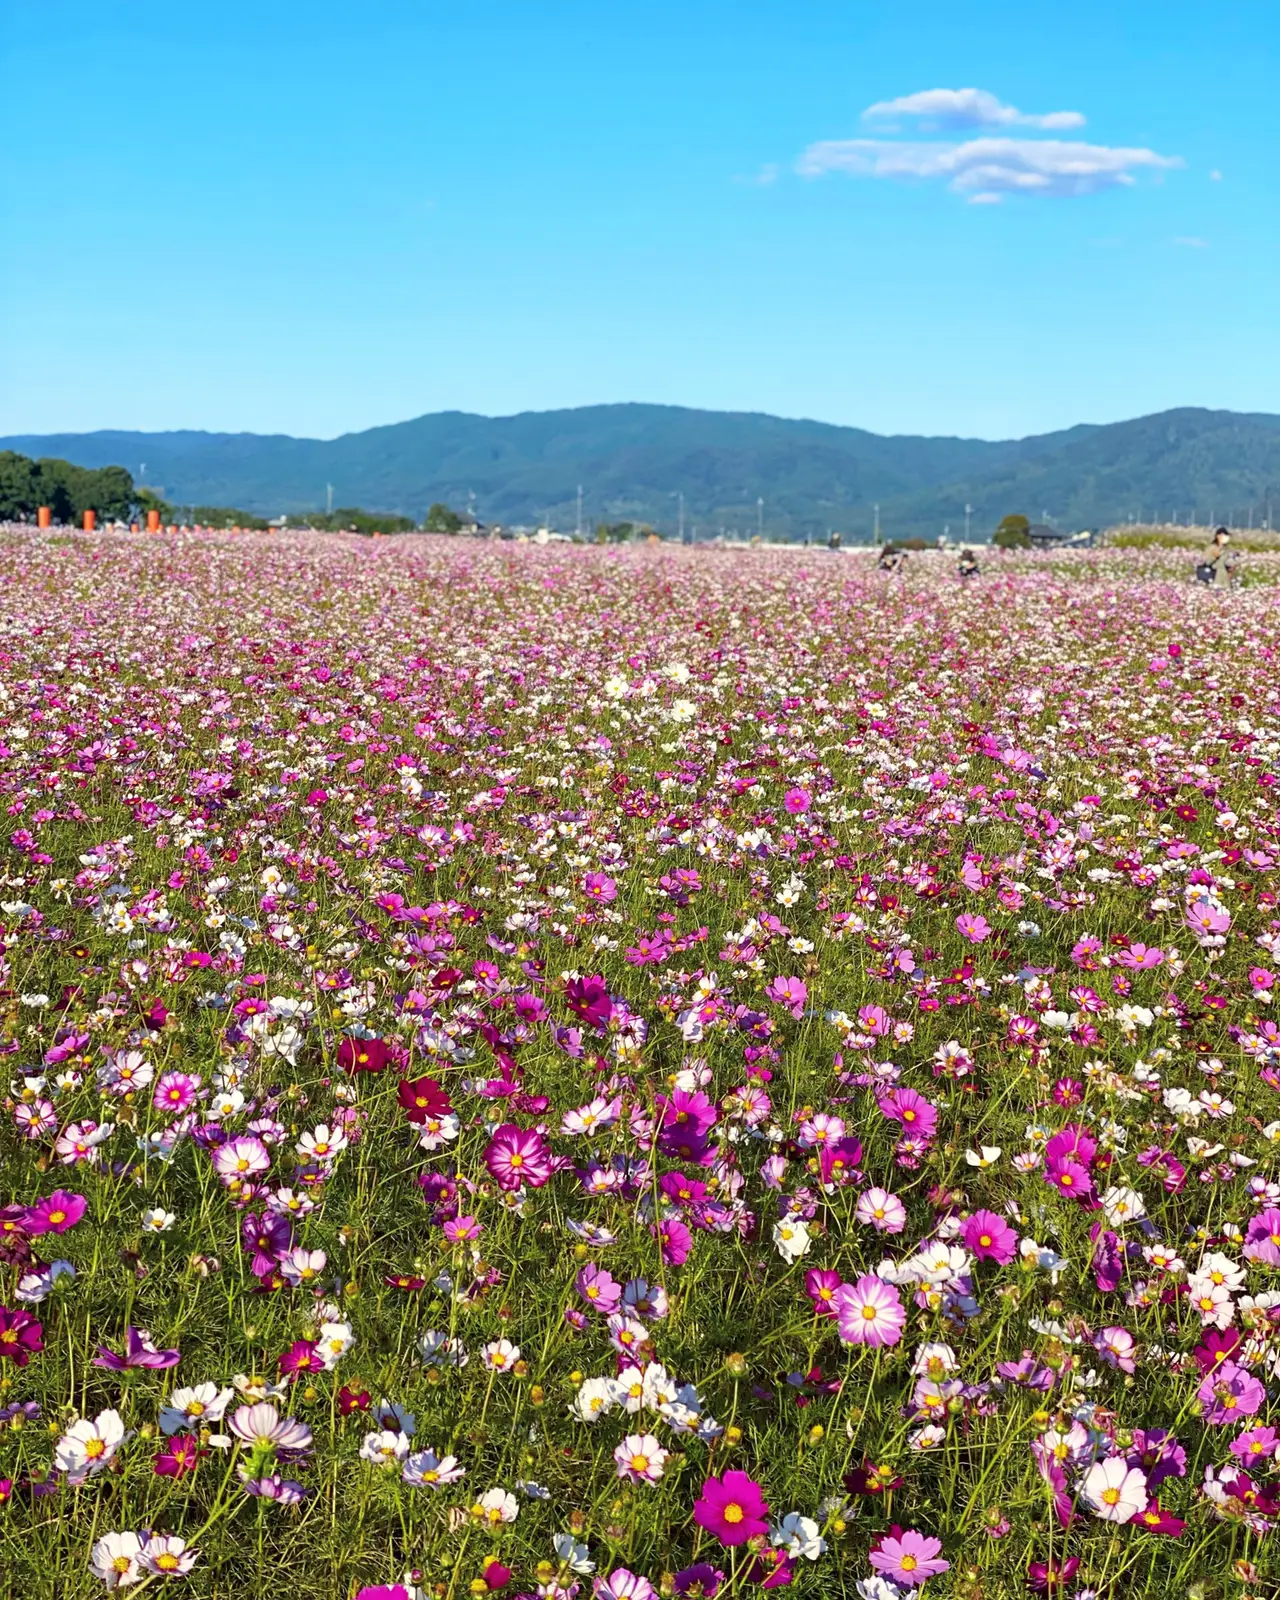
(634,461)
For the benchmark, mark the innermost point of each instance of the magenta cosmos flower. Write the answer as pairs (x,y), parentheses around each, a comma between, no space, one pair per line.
(516,1156)
(797,801)
(869,1312)
(907,1557)
(990,1237)
(139,1351)
(21,1336)
(56,1214)
(732,1508)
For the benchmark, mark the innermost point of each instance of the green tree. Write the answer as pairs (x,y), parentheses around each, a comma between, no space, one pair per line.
(69,491)
(1012,533)
(18,487)
(441,519)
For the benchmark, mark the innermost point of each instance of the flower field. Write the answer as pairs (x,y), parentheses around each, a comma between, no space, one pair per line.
(576,1072)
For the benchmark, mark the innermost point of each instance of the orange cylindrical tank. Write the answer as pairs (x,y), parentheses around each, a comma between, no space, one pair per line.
(43,517)
(153,522)
(90,521)
(133,527)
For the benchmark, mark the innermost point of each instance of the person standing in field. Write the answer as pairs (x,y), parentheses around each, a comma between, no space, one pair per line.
(1220,561)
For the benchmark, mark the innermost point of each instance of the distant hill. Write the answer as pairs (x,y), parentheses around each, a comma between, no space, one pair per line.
(633,460)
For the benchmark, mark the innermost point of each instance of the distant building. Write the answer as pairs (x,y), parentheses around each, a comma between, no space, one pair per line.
(1045,537)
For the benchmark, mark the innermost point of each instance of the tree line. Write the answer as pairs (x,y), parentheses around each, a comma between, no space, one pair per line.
(69,491)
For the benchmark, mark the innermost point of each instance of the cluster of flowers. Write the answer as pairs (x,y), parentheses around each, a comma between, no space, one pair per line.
(775,1069)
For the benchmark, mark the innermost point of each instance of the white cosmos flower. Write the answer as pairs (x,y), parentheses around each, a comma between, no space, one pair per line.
(1113,1490)
(791,1236)
(497,1506)
(594,1398)
(322,1143)
(86,1447)
(573,1554)
(158,1220)
(424,1469)
(1122,1204)
(114,1559)
(501,1355)
(799,1537)
(385,1448)
(194,1408)
(336,1338)
(33,1287)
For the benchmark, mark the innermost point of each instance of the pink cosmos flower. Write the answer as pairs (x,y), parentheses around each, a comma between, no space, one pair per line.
(797,801)
(971,927)
(918,1116)
(1206,920)
(241,1159)
(175,1091)
(1230,1394)
(599,1289)
(881,1210)
(516,1156)
(990,1237)
(1116,1346)
(906,1557)
(623,1584)
(167,1556)
(1256,1446)
(869,1312)
(676,1241)
(1262,1237)
(1139,957)
(793,993)
(261,1425)
(600,887)
(732,1508)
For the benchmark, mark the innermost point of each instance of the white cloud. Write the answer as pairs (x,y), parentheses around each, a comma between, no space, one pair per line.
(969,108)
(768,174)
(985,170)
(1191,243)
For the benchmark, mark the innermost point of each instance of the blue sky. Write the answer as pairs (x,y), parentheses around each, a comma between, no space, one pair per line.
(315,218)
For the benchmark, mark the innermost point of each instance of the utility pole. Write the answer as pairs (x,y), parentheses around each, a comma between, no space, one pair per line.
(328,499)
(681,516)
(968,512)
(760,517)
(579,511)
(876,509)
